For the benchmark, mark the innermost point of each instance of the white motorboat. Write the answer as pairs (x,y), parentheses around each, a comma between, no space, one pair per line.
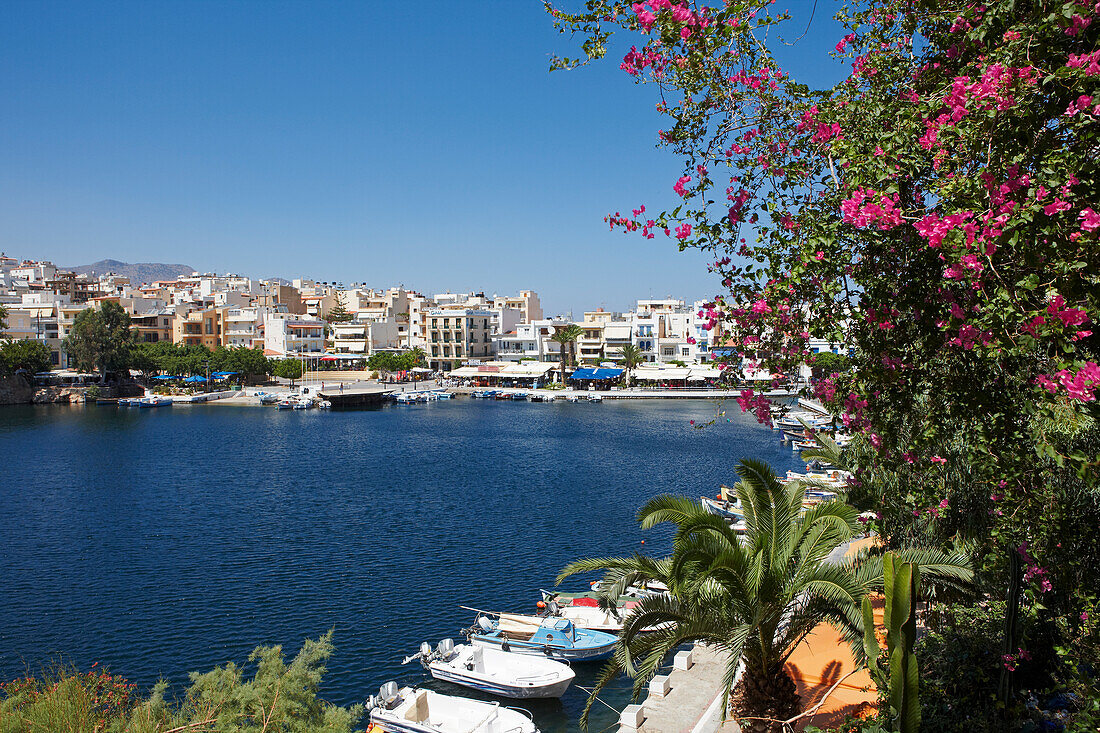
(495,671)
(408,710)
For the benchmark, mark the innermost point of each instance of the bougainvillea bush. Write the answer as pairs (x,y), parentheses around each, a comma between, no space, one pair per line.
(938,211)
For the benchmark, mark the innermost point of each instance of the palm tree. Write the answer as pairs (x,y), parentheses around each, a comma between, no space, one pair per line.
(631,356)
(565,336)
(756,597)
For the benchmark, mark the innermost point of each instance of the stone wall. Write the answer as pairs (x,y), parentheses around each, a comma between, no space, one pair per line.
(15,390)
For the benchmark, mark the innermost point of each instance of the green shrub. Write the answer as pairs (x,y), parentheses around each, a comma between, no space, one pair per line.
(278,697)
(960,664)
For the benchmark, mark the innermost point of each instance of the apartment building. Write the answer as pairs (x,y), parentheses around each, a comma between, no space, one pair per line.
(527,303)
(458,335)
(528,341)
(365,337)
(273,294)
(153,325)
(205,327)
(244,327)
(288,334)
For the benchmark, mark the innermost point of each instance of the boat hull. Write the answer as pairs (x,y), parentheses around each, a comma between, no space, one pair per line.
(561,654)
(445,673)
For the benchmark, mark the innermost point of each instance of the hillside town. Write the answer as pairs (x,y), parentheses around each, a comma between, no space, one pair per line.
(303,318)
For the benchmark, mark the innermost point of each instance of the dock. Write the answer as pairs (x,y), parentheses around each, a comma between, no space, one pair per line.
(355,396)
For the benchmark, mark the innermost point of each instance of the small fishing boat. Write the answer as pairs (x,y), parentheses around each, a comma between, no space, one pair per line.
(284,405)
(585,612)
(494,671)
(409,710)
(724,504)
(519,397)
(155,402)
(556,638)
(595,398)
(129,401)
(324,405)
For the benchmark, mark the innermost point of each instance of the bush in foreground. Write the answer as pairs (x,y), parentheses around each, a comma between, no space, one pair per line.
(278,696)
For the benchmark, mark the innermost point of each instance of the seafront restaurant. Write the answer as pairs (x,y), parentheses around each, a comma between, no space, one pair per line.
(593,378)
(677,377)
(530,374)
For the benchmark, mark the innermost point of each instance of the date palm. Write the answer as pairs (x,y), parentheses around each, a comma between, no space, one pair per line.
(565,337)
(755,597)
(631,356)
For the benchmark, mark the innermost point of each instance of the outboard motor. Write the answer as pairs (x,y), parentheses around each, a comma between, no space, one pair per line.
(388,696)
(445,649)
(485,624)
(425,650)
(553,608)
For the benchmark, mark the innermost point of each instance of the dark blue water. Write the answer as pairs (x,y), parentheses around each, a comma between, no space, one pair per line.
(158,542)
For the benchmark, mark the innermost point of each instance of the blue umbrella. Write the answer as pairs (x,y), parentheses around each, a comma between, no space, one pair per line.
(222,375)
(195,378)
(166,376)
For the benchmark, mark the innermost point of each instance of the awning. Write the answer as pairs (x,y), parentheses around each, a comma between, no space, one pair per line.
(722,353)
(660,374)
(469,371)
(699,374)
(527,369)
(589,373)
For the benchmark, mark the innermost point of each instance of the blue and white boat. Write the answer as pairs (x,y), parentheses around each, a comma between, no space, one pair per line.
(555,638)
(517,676)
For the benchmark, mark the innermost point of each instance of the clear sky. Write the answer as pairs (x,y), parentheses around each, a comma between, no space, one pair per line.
(421,143)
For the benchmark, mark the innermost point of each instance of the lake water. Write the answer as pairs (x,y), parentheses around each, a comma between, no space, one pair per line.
(157,542)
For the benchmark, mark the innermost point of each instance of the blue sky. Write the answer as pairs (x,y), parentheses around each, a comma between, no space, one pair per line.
(387,142)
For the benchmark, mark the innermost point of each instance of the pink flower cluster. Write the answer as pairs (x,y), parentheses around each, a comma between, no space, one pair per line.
(826,389)
(647,11)
(679,186)
(841,47)
(934,229)
(635,61)
(853,412)
(866,207)
(968,336)
(750,401)
(1033,571)
(1012,661)
(1068,316)
(1090,62)
(1080,385)
(1090,220)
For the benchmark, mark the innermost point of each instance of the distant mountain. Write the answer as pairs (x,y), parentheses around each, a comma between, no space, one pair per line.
(138,272)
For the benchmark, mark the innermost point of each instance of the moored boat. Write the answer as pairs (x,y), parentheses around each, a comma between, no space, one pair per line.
(496,672)
(556,638)
(409,710)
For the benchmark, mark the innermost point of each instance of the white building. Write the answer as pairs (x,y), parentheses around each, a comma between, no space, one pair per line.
(366,337)
(289,334)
